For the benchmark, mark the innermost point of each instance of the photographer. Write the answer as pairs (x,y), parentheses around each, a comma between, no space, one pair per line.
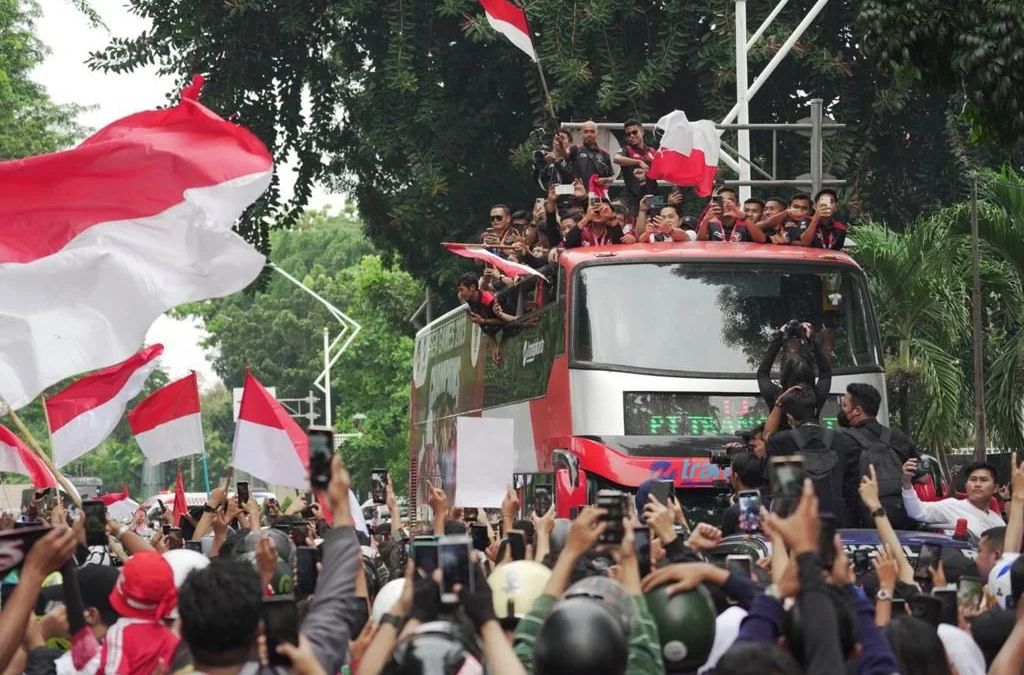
(551,164)
(747,472)
(795,368)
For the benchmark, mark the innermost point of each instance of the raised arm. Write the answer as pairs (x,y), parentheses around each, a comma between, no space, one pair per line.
(869,495)
(769,390)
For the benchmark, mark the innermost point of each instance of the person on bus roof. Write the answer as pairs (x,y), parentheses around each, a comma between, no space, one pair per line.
(794,367)
(728,222)
(824,231)
(484,309)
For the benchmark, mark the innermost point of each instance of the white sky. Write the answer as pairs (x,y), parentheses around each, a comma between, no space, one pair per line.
(68,80)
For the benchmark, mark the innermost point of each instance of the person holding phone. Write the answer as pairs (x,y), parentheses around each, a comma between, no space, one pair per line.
(747,473)
(824,231)
(636,159)
(666,226)
(976,509)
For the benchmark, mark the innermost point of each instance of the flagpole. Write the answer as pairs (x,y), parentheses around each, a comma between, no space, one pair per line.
(46,418)
(547,94)
(34,445)
(206,463)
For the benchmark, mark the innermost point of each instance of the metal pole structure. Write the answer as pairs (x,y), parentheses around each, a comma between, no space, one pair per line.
(759,81)
(816,145)
(764,26)
(743,135)
(980,445)
(206,473)
(327,378)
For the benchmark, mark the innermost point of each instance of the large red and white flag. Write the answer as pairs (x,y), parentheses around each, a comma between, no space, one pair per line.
(98,241)
(269,444)
(167,424)
(86,412)
(120,505)
(510,20)
(688,155)
(15,457)
(512,269)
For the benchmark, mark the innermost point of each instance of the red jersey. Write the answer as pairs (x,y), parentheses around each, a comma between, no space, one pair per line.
(135,646)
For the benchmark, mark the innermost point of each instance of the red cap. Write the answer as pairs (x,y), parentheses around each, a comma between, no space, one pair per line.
(961,529)
(145,589)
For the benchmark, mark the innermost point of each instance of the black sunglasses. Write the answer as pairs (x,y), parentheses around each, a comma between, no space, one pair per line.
(496,218)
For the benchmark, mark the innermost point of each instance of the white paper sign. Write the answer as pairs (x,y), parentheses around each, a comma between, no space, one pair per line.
(484,461)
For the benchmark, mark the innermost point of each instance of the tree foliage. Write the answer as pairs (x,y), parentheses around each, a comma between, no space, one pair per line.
(30,122)
(426,116)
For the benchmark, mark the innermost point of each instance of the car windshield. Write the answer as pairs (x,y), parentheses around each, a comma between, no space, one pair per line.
(716,319)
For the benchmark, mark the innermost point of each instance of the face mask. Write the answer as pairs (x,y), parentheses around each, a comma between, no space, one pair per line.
(842,420)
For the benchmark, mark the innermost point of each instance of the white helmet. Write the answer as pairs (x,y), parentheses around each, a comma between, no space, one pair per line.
(999,580)
(183,561)
(386,599)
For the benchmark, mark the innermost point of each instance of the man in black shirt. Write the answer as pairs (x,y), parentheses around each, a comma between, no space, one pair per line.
(635,160)
(589,159)
(832,459)
(747,473)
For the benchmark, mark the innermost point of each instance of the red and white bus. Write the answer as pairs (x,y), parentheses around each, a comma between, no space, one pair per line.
(634,364)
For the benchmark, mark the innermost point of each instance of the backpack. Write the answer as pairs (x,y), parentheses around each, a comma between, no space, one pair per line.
(820,465)
(888,465)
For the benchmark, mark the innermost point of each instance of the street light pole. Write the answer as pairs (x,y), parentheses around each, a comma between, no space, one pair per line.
(980,446)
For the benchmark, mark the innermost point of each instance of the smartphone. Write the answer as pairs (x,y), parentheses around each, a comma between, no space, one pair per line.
(968,593)
(564,189)
(642,545)
(321,452)
(166,529)
(541,502)
(614,503)
(740,565)
(163,509)
(899,607)
(242,492)
(826,541)
(749,502)
(298,533)
(196,546)
(280,626)
(928,556)
(517,542)
(927,608)
(174,538)
(470,515)
(663,491)
(718,200)
(305,567)
(379,486)
(424,554)
(308,498)
(454,561)
(786,476)
(95,522)
(861,561)
(655,202)
(481,540)
(948,597)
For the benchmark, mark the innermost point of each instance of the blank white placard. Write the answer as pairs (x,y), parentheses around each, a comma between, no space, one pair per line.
(484,461)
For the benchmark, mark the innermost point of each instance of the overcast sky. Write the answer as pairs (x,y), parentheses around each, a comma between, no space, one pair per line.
(65,75)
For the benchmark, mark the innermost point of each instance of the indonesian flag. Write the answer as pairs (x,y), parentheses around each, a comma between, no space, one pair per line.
(167,424)
(119,504)
(510,20)
(86,412)
(98,241)
(688,155)
(269,444)
(180,503)
(16,458)
(512,269)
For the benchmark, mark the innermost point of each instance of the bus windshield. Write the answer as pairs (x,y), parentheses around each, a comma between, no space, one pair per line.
(716,319)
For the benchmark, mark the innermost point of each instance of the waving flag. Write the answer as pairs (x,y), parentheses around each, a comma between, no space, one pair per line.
(86,412)
(180,503)
(15,457)
(688,155)
(119,505)
(167,424)
(98,241)
(510,20)
(512,269)
(269,444)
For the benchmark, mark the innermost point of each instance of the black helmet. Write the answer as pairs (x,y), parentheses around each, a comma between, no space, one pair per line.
(435,648)
(580,636)
(611,593)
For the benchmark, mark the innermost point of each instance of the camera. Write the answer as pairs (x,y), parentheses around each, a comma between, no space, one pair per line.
(719,458)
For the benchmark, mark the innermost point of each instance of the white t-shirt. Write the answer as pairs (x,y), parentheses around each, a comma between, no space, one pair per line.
(946,512)
(961,649)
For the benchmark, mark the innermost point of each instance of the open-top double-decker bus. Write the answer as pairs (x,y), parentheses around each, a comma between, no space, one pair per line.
(635,363)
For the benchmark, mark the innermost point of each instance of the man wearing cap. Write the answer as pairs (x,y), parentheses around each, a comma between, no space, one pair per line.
(143,595)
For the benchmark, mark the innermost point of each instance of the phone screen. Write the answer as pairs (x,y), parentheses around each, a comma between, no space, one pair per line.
(786,475)
(740,565)
(750,510)
(643,550)
(564,189)
(305,567)
(541,502)
(826,541)
(95,522)
(280,626)
(928,556)
(663,491)
(453,555)
(968,592)
(424,554)
(656,202)
(321,452)
(243,492)
(517,542)
(379,485)
(481,540)
(613,502)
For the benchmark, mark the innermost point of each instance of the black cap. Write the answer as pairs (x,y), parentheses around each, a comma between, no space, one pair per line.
(95,582)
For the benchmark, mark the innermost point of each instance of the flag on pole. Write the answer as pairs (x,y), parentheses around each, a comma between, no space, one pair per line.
(474,252)
(86,412)
(269,444)
(688,155)
(98,241)
(180,505)
(510,20)
(167,424)
(15,457)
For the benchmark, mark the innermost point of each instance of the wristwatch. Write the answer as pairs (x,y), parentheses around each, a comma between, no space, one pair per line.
(772,591)
(879,512)
(392,619)
(208,509)
(883,595)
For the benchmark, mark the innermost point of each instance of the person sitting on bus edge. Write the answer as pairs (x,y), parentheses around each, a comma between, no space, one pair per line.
(857,418)
(832,460)
(666,226)
(484,309)
(980,486)
(824,231)
(746,472)
(776,212)
(753,209)
(728,223)
(795,367)
(637,155)
(798,219)
(501,233)
(597,229)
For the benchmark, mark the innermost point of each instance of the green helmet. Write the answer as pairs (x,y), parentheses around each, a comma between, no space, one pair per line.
(686,625)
